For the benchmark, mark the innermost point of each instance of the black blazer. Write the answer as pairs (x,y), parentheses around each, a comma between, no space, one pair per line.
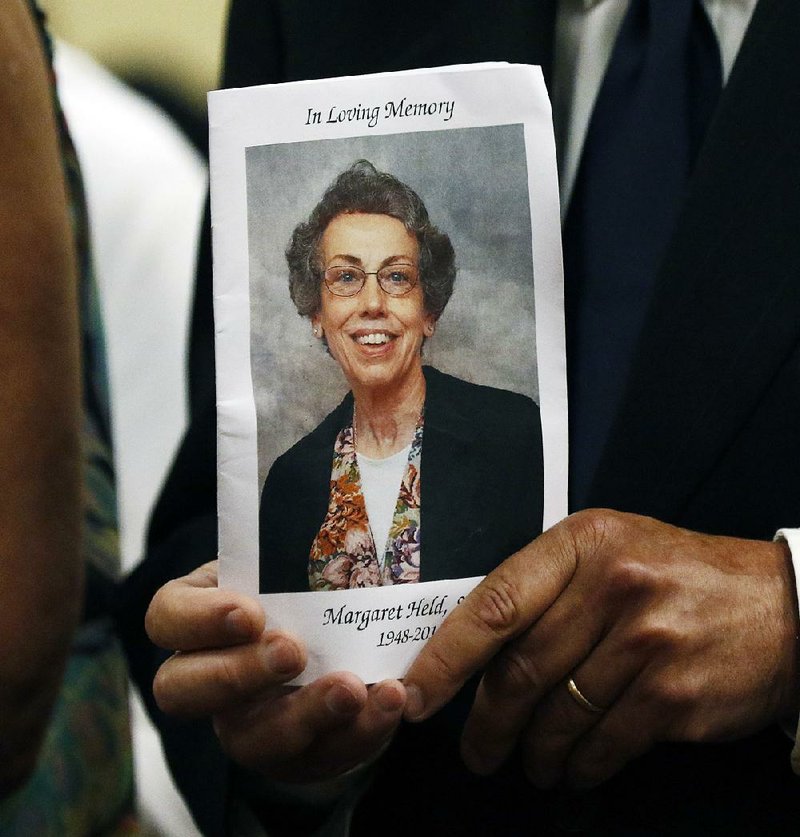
(481,485)
(707,436)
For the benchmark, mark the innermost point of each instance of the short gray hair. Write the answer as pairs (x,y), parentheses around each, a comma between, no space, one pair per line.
(363,189)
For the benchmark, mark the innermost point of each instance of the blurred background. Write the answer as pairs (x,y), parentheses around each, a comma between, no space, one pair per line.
(143,146)
(171,51)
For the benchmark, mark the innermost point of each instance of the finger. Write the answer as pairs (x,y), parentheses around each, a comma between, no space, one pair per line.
(504,604)
(369,733)
(628,730)
(192,612)
(281,726)
(204,682)
(522,673)
(563,718)
(314,732)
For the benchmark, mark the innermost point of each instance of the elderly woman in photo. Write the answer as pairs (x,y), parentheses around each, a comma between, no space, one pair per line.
(351,505)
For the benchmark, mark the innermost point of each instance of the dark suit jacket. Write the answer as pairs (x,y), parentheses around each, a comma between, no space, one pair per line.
(481,485)
(708,434)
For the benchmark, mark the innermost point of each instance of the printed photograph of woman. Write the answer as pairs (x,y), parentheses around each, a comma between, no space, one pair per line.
(416,475)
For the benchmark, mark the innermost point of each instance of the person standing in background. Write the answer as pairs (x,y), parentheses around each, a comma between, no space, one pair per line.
(662,674)
(65,765)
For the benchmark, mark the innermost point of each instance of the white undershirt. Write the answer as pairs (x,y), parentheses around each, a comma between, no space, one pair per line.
(380,487)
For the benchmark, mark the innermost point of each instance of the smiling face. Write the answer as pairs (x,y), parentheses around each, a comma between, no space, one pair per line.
(375,337)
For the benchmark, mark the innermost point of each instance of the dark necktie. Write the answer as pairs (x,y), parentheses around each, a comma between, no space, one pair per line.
(659,91)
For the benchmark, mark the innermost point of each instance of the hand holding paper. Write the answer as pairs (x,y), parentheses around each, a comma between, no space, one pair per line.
(664,634)
(228,667)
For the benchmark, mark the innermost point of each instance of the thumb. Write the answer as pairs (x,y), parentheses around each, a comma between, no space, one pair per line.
(506,603)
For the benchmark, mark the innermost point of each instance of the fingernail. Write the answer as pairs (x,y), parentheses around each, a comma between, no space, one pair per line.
(415,704)
(388,698)
(341,701)
(238,625)
(282,658)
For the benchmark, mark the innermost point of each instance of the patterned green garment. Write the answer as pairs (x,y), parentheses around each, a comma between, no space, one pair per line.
(83,784)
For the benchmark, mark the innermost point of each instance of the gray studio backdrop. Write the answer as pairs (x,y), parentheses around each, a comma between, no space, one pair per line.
(474,183)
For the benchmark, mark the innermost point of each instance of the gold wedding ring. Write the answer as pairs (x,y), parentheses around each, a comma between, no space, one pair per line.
(577,695)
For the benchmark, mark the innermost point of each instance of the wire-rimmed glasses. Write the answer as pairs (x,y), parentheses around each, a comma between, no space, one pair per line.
(396,279)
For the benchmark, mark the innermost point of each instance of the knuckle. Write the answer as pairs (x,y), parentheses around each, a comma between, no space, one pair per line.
(499,606)
(655,636)
(593,528)
(628,578)
(517,673)
(232,674)
(687,694)
(596,536)
(699,725)
(699,729)
(441,662)
(673,694)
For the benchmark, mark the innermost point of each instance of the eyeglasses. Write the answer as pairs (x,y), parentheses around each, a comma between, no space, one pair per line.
(394,279)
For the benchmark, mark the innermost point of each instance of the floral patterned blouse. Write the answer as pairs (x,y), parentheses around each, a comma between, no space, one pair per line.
(344,555)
